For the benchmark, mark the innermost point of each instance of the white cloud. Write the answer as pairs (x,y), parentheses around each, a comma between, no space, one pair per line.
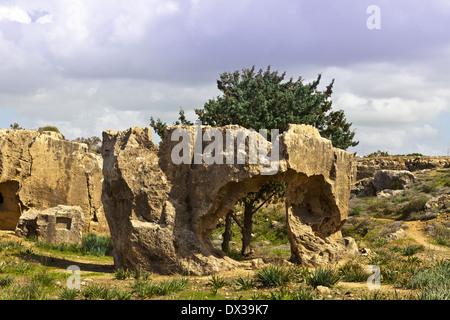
(14,14)
(48,18)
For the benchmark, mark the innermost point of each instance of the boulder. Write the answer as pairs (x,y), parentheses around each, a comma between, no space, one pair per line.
(161,214)
(440,202)
(61,224)
(39,170)
(392,179)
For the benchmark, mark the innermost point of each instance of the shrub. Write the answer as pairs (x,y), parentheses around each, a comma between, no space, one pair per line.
(68,294)
(414,206)
(6,281)
(50,128)
(356,211)
(217,282)
(147,289)
(273,276)
(304,293)
(352,272)
(43,278)
(323,277)
(433,282)
(243,284)
(96,244)
(411,249)
(122,274)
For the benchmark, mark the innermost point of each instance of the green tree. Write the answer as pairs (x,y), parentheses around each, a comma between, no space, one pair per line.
(15,126)
(94,143)
(159,126)
(263,100)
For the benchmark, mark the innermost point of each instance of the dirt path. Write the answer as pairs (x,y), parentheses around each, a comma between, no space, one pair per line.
(416,230)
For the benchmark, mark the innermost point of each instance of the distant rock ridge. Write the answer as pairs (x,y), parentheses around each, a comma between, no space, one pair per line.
(367,167)
(39,170)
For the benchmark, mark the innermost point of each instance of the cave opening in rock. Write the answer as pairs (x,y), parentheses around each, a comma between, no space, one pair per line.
(267,239)
(303,205)
(250,220)
(9,205)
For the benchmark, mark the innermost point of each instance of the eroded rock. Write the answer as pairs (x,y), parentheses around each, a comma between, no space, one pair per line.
(61,224)
(38,171)
(161,215)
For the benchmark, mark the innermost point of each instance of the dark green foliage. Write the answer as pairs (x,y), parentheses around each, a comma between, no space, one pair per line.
(96,244)
(6,281)
(434,282)
(15,126)
(147,289)
(323,277)
(273,276)
(217,282)
(159,126)
(263,100)
(244,283)
(352,272)
(94,143)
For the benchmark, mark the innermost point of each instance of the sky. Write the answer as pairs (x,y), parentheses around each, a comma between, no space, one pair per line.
(88,66)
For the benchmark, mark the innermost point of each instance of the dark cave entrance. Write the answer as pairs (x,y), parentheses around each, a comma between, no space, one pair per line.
(9,205)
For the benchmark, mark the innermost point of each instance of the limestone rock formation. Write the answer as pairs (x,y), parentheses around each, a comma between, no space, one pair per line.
(366,167)
(161,215)
(384,183)
(392,179)
(62,224)
(38,171)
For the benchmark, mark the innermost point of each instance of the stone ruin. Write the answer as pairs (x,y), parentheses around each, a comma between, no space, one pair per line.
(161,215)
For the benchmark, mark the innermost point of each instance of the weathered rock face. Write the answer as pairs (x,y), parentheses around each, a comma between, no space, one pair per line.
(62,224)
(41,171)
(392,179)
(366,168)
(161,214)
(384,183)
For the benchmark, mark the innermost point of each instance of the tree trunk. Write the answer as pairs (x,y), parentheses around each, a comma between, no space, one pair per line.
(227,234)
(247,229)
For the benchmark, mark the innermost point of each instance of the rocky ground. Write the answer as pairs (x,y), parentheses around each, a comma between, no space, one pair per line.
(405,234)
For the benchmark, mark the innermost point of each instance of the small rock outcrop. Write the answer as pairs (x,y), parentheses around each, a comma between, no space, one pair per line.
(392,180)
(384,183)
(364,168)
(39,170)
(62,224)
(161,214)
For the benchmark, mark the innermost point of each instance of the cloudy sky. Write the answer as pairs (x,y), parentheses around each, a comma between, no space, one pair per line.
(86,66)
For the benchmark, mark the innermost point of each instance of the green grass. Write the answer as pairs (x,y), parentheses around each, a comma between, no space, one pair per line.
(145,289)
(434,282)
(244,283)
(92,244)
(97,292)
(323,277)
(273,276)
(352,272)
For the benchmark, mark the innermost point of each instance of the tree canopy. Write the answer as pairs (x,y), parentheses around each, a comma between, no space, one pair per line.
(263,100)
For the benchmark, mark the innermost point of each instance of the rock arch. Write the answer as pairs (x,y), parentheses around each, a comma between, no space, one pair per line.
(161,214)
